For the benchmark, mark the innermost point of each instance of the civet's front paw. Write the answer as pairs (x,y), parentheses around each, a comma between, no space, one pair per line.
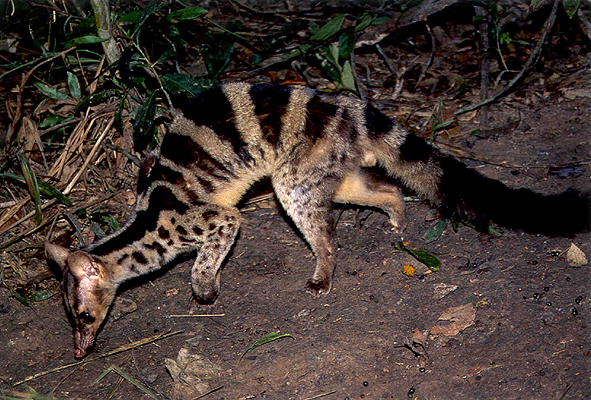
(317,287)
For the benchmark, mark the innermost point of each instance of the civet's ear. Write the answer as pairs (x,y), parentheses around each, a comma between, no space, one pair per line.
(57,253)
(83,266)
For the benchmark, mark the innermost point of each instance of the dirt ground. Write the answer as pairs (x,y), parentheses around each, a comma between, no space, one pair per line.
(523,331)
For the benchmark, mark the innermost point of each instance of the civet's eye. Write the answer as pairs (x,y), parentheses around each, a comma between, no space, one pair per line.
(85,315)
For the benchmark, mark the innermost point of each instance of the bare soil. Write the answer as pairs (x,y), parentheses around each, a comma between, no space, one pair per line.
(528,336)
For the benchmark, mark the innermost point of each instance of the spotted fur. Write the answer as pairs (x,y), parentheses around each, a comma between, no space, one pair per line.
(316,148)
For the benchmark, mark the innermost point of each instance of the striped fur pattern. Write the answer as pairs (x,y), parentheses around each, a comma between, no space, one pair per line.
(316,148)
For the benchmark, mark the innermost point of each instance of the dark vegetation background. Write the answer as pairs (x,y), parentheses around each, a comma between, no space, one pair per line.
(86,91)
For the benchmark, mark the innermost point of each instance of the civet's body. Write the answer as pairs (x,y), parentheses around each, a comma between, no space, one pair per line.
(317,149)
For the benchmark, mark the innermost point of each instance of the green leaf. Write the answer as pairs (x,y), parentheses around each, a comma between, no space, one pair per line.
(299,52)
(143,122)
(380,21)
(98,232)
(130,17)
(179,83)
(536,4)
(20,298)
(32,185)
(346,43)
(74,86)
(330,28)
(328,63)
(571,7)
(505,38)
(50,92)
(97,98)
(88,39)
(111,222)
(44,188)
(436,230)
(187,13)
(218,56)
(54,120)
(428,259)
(269,337)
(443,125)
(148,10)
(40,296)
(363,22)
(347,77)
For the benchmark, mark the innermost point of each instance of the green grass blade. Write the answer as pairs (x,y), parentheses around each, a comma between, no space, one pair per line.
(330,28)
(33,186)
(269,337)
(50,92)
(45,188)
(435,231)
(128,378)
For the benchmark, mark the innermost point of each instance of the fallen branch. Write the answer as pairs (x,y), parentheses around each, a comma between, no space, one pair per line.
(118,350)
(533,58)
(194,315)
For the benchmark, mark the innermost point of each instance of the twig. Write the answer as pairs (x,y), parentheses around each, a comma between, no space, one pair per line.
(260,198)
(431,56)
(320,395)
(7,204)
(34,229)
(530,62)
(485,66)
(59,126)
(194,315)
(19,97)
(90,157)
(7,217)
(126,153)
(24,218)
(120,349)
(385,58)
(207,393)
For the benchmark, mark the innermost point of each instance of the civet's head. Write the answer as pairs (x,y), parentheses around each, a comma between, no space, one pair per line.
(88,293)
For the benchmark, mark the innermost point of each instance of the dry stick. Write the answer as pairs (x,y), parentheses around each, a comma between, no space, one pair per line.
(19,97)
(75,138)
(431,56)
(195,315)
(530,62)
(207,393)
(118,350)
(29,215)
(321,395)
(90,156)
(7,204)
(13,212)
(485,67)
(59,126)
(34,229)
(385,58)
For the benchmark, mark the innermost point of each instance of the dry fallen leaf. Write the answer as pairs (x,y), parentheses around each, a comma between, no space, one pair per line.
(408,270)
(454,320)
(575,256)
(573,93)
(190,373)
(442,290)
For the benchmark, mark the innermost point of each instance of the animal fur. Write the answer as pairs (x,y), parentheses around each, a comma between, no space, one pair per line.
(317,149)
